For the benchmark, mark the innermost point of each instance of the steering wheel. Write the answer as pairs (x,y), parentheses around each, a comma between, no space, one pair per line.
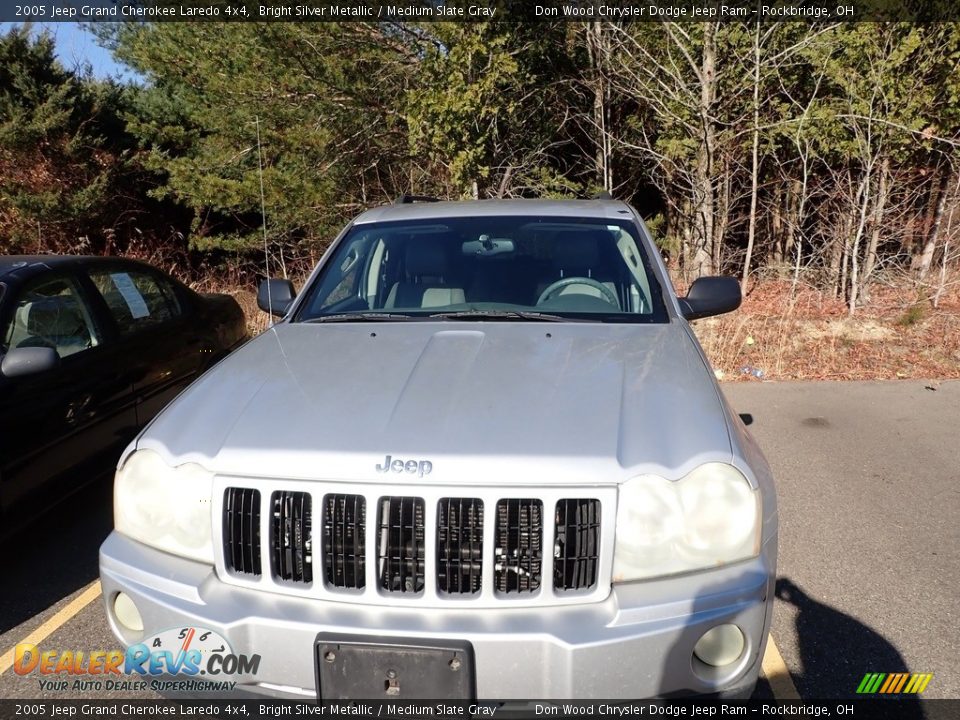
(553,289)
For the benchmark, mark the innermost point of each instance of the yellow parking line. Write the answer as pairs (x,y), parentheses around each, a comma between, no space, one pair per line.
(775,671)
(90,593)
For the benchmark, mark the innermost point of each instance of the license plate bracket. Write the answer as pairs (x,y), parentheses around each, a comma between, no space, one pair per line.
(370,667)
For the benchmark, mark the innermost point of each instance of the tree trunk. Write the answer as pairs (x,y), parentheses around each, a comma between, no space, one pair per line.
(838,258)
(945,257)
(755,158)
(721,218)
(863,194)
(688,250)
(776,226)
(796,191)
(595,51)
(703,191)
(796,218)
(841,290)
(926,257)
(878,211)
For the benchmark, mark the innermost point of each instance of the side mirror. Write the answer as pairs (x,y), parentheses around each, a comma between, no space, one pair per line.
(711,296)
(29,361)
(275,296)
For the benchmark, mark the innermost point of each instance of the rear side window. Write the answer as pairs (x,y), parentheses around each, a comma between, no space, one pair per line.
(136,299)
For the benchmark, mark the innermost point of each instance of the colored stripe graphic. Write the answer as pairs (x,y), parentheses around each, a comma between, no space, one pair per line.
(926,678)
(891,680)
(894,683)
(874,684)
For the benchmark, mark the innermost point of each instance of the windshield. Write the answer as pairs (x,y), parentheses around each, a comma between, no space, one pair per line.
(488,267)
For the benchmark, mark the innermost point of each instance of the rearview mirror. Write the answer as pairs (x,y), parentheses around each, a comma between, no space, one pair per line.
(711,296)
(29,361)
(275,296)
(487,246)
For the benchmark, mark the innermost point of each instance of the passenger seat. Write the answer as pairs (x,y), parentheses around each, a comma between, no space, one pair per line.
(426,277)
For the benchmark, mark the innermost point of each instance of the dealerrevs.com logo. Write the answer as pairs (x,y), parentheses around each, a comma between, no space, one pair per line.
(157,663)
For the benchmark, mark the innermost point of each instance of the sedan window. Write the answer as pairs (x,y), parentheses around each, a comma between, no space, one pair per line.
(51,314)
(136,299)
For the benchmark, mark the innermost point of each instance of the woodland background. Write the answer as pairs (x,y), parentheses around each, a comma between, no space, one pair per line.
(820,163)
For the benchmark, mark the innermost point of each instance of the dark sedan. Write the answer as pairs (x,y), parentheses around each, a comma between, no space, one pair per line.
(90,350)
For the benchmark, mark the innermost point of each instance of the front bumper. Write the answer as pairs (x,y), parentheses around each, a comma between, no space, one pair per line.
(637,643)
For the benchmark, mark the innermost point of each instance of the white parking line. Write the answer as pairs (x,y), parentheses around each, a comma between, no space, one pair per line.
(775,671)
(90,593)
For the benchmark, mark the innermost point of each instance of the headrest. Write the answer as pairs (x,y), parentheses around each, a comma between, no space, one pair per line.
(426,256)
(577,250)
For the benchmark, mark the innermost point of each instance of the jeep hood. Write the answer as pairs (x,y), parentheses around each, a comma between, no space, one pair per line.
(484,402)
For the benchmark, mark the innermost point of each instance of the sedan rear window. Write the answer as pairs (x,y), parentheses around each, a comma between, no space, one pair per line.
(578,268)
(135,299)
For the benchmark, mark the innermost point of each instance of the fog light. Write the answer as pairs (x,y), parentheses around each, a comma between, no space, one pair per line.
(720,646)
(127,613)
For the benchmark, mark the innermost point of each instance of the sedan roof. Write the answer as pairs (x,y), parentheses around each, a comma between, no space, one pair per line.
(9,263)
(12,263)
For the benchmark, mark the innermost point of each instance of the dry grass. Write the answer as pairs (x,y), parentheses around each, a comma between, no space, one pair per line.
(807,336)
(257,320)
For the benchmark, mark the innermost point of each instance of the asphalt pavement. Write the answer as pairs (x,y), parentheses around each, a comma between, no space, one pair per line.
(868,477)
(869,486)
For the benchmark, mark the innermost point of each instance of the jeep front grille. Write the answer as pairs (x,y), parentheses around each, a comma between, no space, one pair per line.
(535,546)
(577,546)
(291,536)
(459,545)
(241,529)
(400,544)
(344,540)
(519,550)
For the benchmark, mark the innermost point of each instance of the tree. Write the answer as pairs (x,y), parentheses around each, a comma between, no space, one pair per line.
(64,155)
(332,132)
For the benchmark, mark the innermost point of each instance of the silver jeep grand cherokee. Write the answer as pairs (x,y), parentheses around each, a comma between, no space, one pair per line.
(481,455)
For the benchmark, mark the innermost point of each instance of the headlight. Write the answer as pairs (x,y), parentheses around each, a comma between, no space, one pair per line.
(165,507)
(710,517)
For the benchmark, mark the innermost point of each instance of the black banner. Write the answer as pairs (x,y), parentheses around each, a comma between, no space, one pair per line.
(478,10)
(893,709)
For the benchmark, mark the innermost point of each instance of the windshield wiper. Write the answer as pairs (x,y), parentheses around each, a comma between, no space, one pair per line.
(503,315)
(359,317)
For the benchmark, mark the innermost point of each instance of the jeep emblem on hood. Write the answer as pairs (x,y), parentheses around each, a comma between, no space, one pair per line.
(413,467)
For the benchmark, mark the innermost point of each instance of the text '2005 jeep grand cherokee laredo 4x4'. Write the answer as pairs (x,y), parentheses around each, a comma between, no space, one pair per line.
(482,455)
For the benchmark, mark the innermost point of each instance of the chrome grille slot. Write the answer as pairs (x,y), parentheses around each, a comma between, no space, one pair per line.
(497,546)
(400,544)
(344,540)
(518,554)
(576,552)
(459,545)
(291,540)
(241,530)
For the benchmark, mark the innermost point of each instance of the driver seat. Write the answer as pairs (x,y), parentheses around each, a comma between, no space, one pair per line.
(579,254)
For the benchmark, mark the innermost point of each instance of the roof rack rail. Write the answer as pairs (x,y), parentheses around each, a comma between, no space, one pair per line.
(407,199)
(602,195)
